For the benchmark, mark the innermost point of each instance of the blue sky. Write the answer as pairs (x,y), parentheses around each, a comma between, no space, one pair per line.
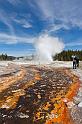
(22,21)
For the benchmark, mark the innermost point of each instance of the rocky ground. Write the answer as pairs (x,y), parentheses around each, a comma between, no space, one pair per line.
(76,110)
(42,94)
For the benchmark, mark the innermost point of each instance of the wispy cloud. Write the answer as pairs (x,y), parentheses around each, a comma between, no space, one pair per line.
(9,39)
(68,11)
(6,20)
(76,43)
(23,22)
(56,27)
(14,2)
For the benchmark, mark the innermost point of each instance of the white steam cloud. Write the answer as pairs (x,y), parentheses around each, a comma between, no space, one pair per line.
(47,46)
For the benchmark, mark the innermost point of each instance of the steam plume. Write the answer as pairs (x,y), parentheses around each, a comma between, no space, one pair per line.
(47,46)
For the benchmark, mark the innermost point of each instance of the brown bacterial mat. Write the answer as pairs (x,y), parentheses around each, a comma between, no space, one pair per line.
(37,95)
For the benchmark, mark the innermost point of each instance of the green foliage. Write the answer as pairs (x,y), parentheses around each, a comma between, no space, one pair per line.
(67,55)
(5,57)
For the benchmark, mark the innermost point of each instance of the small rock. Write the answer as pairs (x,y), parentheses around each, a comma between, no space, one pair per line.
(5,106)
(65,100)
(70,104)
(80,104)
(39,96)
(22,115)
(80,89)
(79,93)
(77,100)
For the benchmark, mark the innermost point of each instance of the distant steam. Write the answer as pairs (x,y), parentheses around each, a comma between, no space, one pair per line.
(47,46)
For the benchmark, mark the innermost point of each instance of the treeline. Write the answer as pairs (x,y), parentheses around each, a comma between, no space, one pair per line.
(5,57)
(67,55)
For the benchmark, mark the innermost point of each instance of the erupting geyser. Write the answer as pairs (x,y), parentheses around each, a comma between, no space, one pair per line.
(48,46)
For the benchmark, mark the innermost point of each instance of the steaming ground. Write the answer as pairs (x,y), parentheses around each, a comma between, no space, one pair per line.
(57,64)
(67,64)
